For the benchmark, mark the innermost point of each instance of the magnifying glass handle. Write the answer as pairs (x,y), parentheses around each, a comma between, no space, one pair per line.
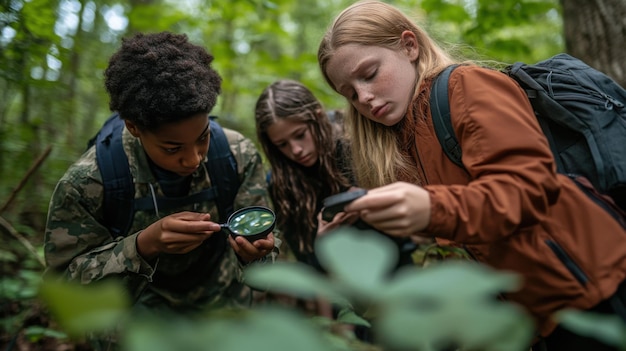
(225,228)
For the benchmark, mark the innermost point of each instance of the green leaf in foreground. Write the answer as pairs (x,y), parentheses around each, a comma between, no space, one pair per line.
(291,278)
(360,259)
(452,303)
(450,280)
(81,309)
(609,329)
(258,330)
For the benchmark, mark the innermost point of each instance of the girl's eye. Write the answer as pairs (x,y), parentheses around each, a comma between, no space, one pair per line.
(172,150)
(369,73)
(204,138)
(300,136)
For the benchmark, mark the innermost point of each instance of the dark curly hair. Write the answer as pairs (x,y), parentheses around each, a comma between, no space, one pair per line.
(155,79)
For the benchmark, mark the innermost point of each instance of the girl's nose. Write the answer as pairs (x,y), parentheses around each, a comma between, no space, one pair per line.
(296,149)
(365,96)
(193,158)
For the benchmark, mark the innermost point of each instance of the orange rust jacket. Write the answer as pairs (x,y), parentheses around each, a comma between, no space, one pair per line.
(511,210)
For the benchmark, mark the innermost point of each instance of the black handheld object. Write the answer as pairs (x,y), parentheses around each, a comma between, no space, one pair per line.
(335,203)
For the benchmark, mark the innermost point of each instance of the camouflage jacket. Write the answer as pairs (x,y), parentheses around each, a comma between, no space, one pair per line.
(79,247)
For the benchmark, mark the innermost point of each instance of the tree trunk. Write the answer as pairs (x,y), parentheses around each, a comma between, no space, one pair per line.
(595,32)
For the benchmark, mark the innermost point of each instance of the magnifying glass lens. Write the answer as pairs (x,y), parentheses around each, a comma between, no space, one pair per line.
(253,222)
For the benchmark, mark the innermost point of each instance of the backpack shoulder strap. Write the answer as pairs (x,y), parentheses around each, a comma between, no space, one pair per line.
(222,168)
(119,191)
(117,181)
(440,111)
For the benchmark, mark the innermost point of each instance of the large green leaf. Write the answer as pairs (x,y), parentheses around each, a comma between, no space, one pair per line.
(449,280)
(452,303)
(291,278)
(470,325)
(609,329)
(348,316)
(259,330)
(360,259)
(82,309)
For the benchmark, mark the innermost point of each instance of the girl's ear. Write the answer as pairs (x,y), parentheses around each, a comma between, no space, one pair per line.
(319,113)
(409,44)
(132,128)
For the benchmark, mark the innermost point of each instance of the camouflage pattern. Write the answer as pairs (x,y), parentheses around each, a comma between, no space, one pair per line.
(80,248)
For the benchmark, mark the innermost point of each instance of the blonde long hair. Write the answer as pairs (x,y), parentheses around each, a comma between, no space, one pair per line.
(376,155)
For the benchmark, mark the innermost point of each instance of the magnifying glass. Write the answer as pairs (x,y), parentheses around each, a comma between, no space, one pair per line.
(253,222)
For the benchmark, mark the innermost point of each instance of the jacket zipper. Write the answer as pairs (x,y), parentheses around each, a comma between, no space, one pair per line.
(602,100)
(609,208)
(571,266)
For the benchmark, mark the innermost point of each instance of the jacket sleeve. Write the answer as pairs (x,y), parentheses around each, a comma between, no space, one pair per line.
(513,175)
(76,245)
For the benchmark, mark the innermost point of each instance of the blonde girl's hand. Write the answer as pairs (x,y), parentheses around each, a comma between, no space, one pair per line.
(341,218)
(399,209)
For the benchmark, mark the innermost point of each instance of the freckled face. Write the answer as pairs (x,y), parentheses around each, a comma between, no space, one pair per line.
(377,81)
(294,140)
(177,147)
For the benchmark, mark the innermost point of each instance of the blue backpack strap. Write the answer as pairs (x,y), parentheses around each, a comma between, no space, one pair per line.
(117,181)
(440,111)
(222,168)
(119,205)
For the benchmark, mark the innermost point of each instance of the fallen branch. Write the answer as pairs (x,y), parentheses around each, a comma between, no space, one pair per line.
(28,174)
(9,229)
